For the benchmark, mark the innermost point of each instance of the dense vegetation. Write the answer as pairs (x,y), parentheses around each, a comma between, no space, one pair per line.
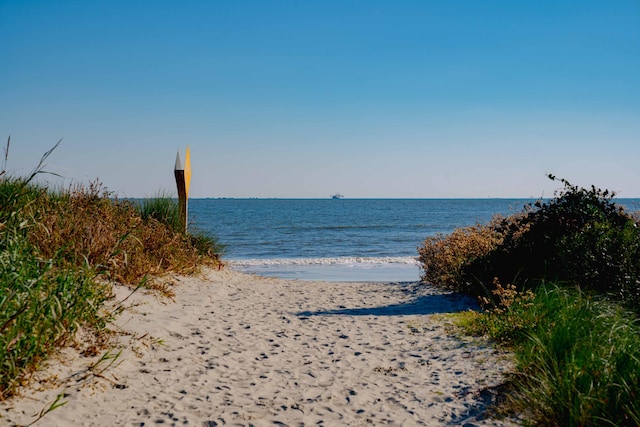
(570,308)
(580,237)
(60,250)
(577,356)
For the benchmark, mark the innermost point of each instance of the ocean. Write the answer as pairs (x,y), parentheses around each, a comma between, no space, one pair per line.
(339,239)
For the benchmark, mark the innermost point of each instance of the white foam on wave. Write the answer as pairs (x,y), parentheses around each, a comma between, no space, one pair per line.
(337,261)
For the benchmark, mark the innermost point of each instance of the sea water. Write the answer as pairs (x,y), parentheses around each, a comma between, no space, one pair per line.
(339,239)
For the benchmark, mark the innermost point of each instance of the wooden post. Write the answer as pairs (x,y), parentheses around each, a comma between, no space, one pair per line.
(182,174)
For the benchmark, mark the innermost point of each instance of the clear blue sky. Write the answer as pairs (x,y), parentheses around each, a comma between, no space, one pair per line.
(308,98)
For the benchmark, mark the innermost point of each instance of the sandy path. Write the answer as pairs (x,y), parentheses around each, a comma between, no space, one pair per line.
(235,349)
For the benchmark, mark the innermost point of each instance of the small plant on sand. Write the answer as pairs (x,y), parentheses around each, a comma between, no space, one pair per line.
(57,403)
(506,316)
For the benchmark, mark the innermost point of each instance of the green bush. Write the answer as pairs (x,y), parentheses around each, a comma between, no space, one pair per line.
(445,258)
(580,236)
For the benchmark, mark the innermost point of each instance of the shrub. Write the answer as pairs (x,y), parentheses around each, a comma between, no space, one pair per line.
(579,237)
(444,258)
(578,352)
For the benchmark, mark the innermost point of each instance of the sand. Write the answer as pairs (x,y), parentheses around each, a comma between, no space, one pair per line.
(234,349)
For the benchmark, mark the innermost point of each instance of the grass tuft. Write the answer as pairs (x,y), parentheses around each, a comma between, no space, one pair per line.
(578,356)
(580,366)
(162,208)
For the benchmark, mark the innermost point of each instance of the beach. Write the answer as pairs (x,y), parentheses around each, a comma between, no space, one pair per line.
(244,350)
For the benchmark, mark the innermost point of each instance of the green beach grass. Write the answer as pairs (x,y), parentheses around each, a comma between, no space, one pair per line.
(59,253)
(577,356)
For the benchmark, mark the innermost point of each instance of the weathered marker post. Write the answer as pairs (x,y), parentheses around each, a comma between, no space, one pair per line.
(182,172)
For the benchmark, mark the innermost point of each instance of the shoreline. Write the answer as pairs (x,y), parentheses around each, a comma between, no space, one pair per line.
(342,269)
(239,349)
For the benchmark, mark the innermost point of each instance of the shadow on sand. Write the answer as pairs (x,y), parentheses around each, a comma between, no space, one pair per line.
(422,305)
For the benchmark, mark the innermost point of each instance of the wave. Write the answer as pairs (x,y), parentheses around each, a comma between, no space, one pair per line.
(333,227)
(337,261)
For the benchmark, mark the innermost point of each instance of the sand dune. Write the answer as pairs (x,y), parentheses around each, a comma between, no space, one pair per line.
(239,350)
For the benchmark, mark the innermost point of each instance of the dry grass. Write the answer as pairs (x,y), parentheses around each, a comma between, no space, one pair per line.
(87,226)
(443,257)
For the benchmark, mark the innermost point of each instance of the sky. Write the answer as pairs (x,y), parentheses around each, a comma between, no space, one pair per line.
(304,99)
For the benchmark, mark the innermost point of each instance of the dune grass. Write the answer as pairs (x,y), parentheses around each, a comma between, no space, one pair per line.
(41,307)
(578,356)
(165,209)
(88,225)
(59,253)
(581,367)
(162,207)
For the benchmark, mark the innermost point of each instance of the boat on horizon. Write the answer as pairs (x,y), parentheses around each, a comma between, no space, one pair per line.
(337,196)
